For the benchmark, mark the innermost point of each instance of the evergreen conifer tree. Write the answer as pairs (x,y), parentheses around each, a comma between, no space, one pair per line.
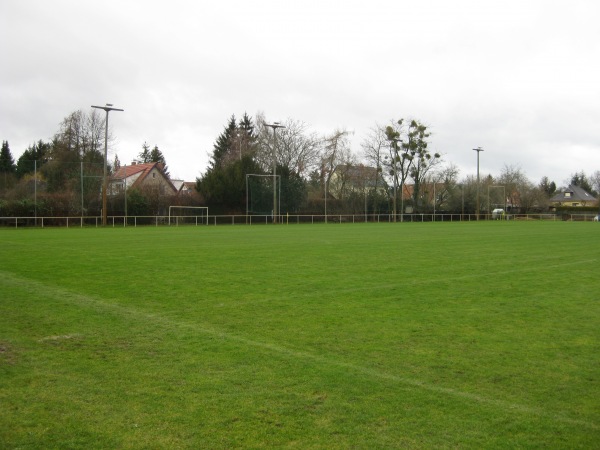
(153,156)
(223,144)
(157,157)
(246,125)
(145,153)
(7,163)
(223,186)
(37,152)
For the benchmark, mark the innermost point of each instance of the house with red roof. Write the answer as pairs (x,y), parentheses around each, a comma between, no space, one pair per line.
(146,177)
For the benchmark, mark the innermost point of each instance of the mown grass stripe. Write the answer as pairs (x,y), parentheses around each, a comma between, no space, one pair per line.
(40,290)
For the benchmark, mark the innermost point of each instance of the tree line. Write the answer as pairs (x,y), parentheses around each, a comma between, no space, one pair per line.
(63,176)
(394,171)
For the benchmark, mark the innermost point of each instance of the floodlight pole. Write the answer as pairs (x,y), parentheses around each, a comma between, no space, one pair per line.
(241,134)
(434,200)
(107,108)
(478,150)
(125,193)
(394,145)
(462,211)
(274,125)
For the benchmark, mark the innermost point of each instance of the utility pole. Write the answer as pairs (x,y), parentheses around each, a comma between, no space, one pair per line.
(394,145)
(478,150)
(274,125)
(107,108)
(125,193)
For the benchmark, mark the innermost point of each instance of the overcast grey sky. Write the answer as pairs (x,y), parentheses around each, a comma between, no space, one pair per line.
(519,78)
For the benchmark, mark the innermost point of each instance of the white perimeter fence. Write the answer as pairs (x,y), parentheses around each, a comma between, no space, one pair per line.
(134,221)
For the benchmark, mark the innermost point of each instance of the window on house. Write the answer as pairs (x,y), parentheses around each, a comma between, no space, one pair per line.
(567,194)
(153,174)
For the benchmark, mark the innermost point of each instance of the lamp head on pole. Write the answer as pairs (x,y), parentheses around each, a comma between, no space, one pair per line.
(274,125)
(108,107)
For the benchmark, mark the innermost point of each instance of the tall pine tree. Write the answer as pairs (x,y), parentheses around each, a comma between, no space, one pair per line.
(145,153)
(157,157)
(223,186)
(224,144)
(581,180)
(8,168)
(246,136)
(7,163)
(246,125)
(153,156)
(33,157)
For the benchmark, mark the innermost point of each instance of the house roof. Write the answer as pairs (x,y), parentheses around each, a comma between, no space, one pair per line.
(361,175)
(184,186)
(575,193)
(142,170)
(129,171)
(178,184)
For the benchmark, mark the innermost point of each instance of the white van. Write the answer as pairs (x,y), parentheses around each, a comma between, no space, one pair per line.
(498,214)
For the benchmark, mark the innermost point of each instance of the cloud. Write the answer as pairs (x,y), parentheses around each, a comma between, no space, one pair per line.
(519,79)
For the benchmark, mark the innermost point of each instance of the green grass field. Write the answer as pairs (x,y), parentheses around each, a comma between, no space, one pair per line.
(369,336)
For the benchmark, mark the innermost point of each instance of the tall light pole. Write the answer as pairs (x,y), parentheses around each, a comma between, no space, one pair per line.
(274,125)
(434,201)
(125,194)
(394,146)
(462,211)
(240,136)
(478,150)
(107,108)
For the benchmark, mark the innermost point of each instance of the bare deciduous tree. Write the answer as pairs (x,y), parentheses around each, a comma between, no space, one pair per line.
(444,181)
(514,180)
(531,197)
(297,148)
(336,152)
(81,133)
(374,147)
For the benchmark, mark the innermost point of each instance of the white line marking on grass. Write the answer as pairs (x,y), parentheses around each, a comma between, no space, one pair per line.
(434,280)
(39,289)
